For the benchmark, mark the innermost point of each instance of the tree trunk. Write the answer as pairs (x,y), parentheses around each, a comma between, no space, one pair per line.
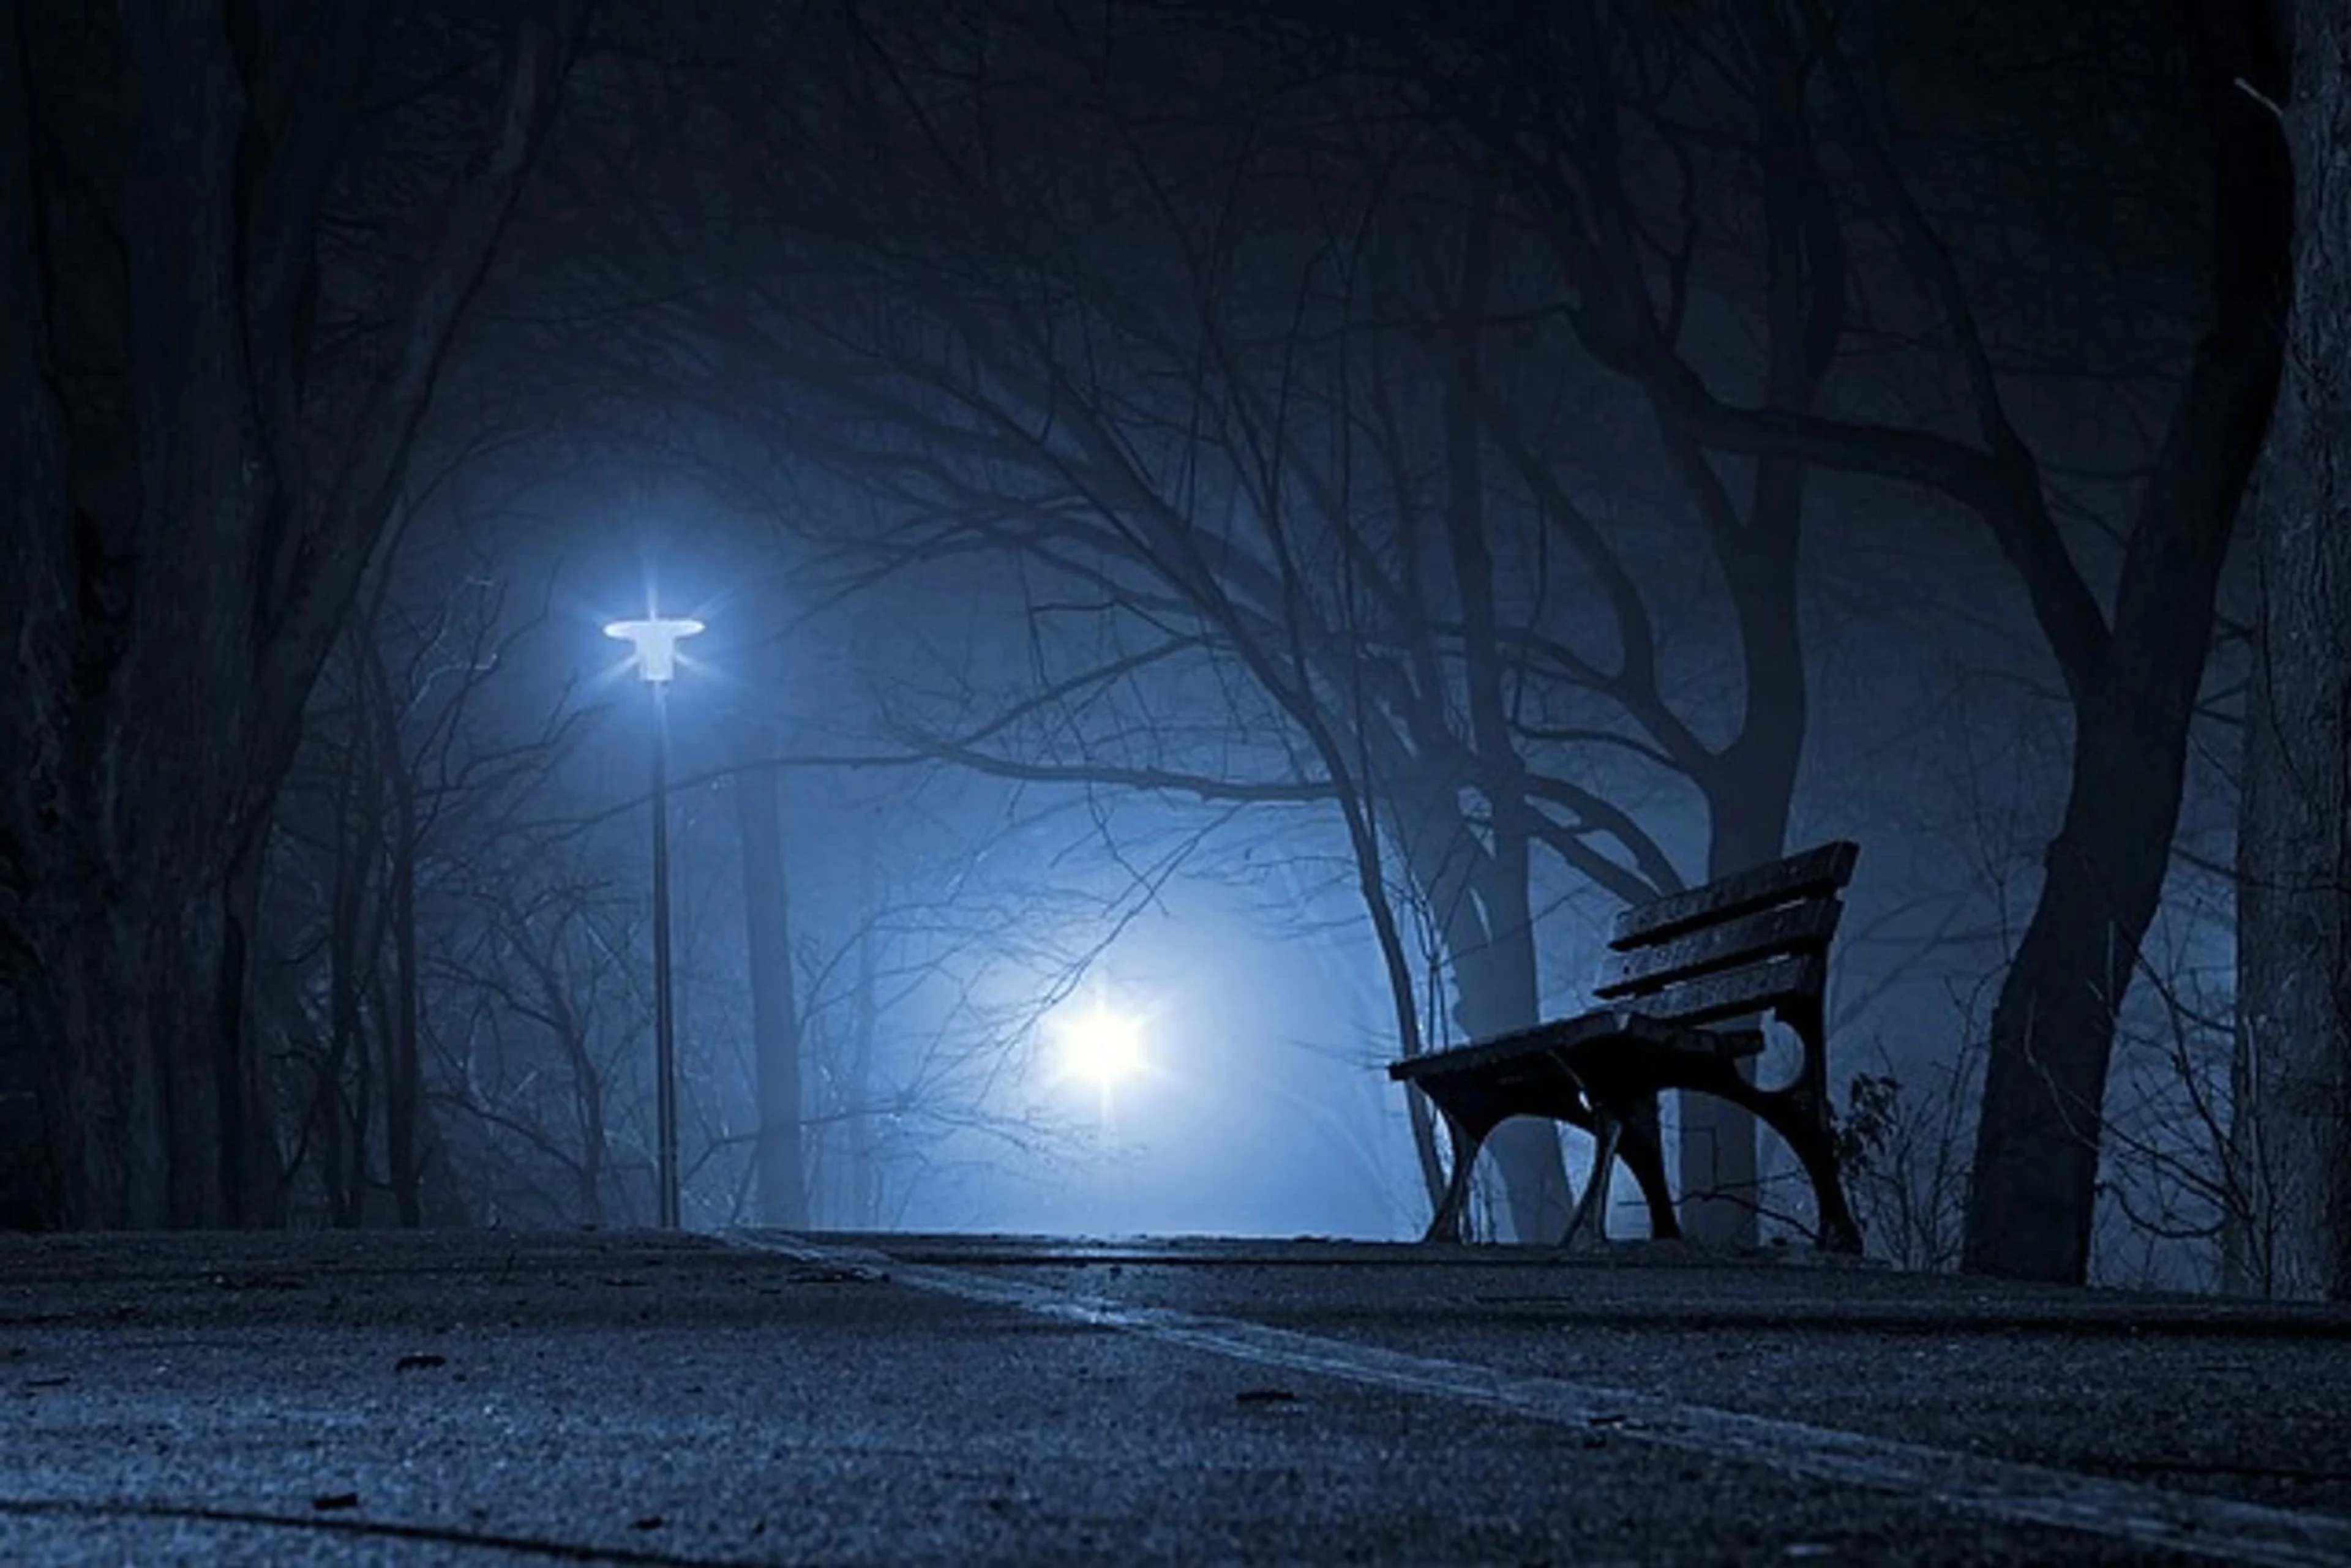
(1752,784)
(343,1135)
(1720,1187)
(2033,1195)
(404,1067)
(1495,970)
(129,1001)
(1495,991)
(775,1006)
(2291,1133)
(862,1189)
(445,1201)
(1749,793)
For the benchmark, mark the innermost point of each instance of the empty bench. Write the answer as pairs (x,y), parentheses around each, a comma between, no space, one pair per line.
(1687,982)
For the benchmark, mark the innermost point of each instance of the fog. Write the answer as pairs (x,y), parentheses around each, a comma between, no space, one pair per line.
(1257,530)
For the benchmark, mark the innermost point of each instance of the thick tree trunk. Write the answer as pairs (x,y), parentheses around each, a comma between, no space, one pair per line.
(2291,1134)
(775,1005)
(1720,1187)
(129,995)
(1495,991)
(1752,784)
(1477,884)
(1490,933)
(2034,1198)
(2033,1190)
(1749,794)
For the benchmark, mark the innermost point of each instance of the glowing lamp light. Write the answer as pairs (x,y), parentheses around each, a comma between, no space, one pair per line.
(1101,1045)
(655,638)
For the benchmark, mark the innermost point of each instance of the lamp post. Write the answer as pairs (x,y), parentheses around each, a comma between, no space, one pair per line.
(655,638)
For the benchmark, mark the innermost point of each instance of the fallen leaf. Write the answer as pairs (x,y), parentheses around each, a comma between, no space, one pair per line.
(1265,1397)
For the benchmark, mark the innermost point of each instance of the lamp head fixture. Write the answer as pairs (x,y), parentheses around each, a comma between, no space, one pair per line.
(655,638)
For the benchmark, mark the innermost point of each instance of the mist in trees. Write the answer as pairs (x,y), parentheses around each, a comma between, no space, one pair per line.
(1273,522)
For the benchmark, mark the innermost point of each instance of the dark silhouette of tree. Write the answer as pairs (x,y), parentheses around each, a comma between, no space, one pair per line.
(1461,431)
(777,1034)
(400,786)
(206,412)
(1266,406)
(1558,95)
(2292,1134)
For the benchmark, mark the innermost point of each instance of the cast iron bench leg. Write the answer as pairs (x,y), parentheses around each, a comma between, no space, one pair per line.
(1592,1213)
(1812,1148)
(1643,1153)
(1445,1225)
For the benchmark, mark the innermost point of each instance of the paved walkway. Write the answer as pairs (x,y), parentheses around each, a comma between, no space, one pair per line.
(487,1398)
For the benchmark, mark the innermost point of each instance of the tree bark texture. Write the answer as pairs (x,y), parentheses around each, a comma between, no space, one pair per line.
(2291,1134)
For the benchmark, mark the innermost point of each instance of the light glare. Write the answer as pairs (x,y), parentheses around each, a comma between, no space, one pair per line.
(655,638)
(1104,1046)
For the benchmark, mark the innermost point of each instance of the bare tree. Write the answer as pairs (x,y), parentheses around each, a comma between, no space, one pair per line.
(776,1035)
(2292,1144)
(205,417)
(401,781)
(1289,465)
(1558,96)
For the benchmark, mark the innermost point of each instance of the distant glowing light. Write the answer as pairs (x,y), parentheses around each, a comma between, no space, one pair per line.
(655,638)
(1101,1045)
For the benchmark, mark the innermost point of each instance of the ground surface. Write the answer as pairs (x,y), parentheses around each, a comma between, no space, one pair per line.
(493,1397)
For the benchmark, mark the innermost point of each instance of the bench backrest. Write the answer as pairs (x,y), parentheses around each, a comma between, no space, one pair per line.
(1756,941)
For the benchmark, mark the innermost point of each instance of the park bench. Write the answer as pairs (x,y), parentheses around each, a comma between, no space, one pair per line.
(1688,980)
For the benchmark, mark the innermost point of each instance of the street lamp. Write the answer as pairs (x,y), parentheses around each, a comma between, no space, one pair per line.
(1101,1045)
(655,638)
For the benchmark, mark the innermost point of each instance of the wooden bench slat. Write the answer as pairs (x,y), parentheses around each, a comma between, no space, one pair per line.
(1734,993)
(1541,1043)
(1538,1040)
(1814,871)
(1796,928)
(1612,1064)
